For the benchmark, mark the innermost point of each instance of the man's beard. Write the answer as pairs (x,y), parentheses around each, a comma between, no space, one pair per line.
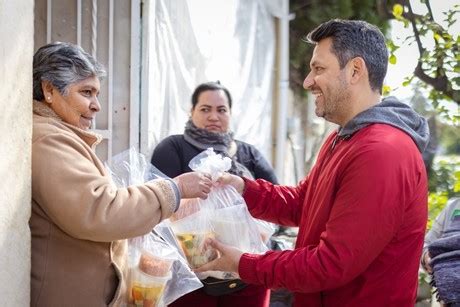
(337,101)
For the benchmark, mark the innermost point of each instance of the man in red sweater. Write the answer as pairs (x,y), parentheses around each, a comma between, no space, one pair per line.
(362,210)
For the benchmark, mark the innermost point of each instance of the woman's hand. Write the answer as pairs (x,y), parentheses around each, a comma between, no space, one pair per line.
(227,262)
(233,180)
(194,184)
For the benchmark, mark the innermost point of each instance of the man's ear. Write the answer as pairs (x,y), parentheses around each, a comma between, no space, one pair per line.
(48,91)
(358,69)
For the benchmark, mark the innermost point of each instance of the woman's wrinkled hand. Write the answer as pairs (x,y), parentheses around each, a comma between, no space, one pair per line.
(194,184)
(227,262)
(233,180)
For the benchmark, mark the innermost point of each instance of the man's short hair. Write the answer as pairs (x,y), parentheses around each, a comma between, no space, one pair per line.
(356,38)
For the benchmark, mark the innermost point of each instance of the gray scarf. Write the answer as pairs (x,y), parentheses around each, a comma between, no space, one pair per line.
(220,141)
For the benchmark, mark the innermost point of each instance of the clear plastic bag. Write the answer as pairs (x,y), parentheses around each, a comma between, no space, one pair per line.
(228,213)
(191,232)
(266,230)
(158,274)
(223,215)
(131,168)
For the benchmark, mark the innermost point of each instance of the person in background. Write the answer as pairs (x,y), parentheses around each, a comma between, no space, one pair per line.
(209,126)
(79,219)
(362,210)
(446,223)
(444,239)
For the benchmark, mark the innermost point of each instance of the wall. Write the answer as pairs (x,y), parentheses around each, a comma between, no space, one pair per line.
(16,50)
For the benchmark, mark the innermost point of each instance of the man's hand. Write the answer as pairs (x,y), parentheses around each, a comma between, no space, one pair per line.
(194,184)
(233,180)
(227,262)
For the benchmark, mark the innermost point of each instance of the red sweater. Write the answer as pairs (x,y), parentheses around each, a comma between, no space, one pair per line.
(362,215)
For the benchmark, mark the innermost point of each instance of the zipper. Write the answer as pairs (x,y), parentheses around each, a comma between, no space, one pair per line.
(337,139)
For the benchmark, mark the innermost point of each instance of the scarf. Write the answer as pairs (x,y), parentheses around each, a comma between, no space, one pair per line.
(222,143)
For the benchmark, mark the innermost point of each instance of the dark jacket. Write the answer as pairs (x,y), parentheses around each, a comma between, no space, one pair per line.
(172,155)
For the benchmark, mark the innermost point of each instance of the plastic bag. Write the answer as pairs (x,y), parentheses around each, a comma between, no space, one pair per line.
(131,168)
(158,274)
(191,232)
(228,213)
(266,230)
(223,215)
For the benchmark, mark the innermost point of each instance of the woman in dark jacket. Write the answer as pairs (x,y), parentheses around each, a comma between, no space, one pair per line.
(209,127)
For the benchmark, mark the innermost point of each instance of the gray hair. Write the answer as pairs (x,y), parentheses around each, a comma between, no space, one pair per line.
(356,38)
(62,64)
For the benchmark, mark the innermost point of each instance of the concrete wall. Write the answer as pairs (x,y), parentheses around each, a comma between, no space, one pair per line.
(16,51)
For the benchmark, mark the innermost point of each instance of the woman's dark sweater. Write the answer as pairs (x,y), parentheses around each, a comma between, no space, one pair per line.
(173,154)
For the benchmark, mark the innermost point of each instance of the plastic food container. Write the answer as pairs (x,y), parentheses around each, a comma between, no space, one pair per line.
(148,280)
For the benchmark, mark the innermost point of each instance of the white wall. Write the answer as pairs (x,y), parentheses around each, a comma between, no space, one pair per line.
(16,51)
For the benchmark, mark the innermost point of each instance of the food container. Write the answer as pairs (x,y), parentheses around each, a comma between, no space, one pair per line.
(231,227)
(191,232)
(192,245)
(148,280)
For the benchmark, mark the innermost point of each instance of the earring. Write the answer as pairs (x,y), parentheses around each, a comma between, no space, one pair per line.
(49,97)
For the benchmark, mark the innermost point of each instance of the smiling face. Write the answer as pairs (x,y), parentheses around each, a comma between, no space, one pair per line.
(212,111)
(328,83)
(79,106)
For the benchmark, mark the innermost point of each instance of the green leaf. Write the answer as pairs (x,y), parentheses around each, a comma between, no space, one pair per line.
(447,37)
(406,83)
(392,46)
(392,59)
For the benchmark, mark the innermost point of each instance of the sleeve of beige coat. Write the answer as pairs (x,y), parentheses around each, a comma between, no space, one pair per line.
(70,184)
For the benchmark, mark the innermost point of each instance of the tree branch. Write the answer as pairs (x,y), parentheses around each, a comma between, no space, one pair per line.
(439,83)
(411,18)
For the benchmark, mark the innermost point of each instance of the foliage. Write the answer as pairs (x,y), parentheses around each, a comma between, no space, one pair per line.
(444,183)
(438,65)
(450,139)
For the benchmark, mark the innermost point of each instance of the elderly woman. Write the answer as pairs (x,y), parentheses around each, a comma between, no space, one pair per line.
(79,218)
(209,126)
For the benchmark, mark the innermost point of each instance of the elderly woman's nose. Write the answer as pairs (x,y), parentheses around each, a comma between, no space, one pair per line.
(95,105)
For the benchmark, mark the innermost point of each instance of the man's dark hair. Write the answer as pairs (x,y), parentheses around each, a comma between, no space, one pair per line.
(210,86)
(356,38)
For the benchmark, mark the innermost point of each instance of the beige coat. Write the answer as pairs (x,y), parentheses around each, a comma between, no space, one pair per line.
(79,218)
